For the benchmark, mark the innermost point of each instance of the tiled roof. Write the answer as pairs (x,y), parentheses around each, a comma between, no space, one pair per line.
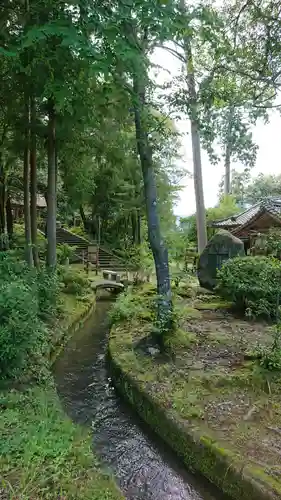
(271,205)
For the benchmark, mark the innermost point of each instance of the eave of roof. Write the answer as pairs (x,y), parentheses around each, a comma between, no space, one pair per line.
(270,205)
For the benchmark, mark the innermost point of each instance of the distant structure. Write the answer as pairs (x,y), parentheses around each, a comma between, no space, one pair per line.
(255,220)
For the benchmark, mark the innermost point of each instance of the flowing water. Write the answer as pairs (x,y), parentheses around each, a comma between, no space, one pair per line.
(144,468)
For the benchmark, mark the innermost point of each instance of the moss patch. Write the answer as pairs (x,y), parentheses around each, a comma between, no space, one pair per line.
(219,412)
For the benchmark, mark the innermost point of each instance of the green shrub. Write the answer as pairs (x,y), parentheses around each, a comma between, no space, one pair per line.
(269,357)
(21,331)
(65,252)
(11,266)
(79,230)
(129,306)
(253,284)
(75,283)
(48,287)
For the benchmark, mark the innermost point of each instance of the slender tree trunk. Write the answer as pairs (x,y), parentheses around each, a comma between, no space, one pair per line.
(26,184)
(83,217)
(33,182)
(138,228)
(228,151)
(2,204)
(159,250)
(227,169)
(134,227)
(26,153)
(196,150)
(52,195)
(9,218)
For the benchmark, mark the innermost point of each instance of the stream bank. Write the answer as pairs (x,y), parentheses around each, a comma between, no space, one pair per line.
(202,399)
(143,466)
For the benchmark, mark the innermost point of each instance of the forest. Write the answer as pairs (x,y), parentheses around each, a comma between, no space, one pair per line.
(86,126)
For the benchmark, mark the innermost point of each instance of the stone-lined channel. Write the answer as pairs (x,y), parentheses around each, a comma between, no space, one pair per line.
(144,468)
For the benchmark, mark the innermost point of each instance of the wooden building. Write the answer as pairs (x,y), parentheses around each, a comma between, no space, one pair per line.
(17,205)
(253,222)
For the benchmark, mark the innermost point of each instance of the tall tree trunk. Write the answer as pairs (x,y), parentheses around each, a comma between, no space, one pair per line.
(227,169)
(26,184)
(33,182)
(138,228)
(2,202)
(159,250)
(83,218)
(196,150)
(52,195)
(26,153)
(228,151)
(9,218)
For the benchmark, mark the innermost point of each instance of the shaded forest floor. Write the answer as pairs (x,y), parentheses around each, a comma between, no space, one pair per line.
(209,381)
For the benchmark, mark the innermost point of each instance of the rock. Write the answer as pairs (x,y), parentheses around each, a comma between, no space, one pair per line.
(221,247)
(153,351)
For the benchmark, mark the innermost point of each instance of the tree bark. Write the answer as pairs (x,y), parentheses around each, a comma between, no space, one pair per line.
(138,228)
(227,169)
(196,150)
(26,184)
(51,189)
(227,156)
(9,218)
(159,250)
(83,217)
(134,227)
(33,182)
(2,202)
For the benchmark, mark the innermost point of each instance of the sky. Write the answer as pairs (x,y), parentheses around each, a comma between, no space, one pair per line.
(267,137)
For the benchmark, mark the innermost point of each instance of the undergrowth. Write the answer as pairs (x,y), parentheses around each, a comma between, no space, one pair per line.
(43,454)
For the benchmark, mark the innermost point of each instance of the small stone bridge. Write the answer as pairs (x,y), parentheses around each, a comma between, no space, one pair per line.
(111,281)
(107,285)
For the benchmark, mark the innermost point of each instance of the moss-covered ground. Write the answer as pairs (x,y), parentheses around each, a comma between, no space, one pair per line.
(207,382)
(43,455)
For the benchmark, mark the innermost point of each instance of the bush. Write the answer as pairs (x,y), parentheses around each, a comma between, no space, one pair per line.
(21,331)
(253,284)
(74,283)
(48,287)
(65,252)
(129,306)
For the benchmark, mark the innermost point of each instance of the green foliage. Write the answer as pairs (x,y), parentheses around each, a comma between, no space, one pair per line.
(48,293)
(79,231)
(268,243)
(28,299)
(269,357)
(130,305)
(21,332)
(74,283)
(253,284)
(50,456)
(226,207)
(64,253)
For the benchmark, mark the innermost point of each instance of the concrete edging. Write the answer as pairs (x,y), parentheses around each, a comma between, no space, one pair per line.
(70,330)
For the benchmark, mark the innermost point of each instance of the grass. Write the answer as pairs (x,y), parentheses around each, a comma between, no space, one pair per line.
(43,455)
(208,383)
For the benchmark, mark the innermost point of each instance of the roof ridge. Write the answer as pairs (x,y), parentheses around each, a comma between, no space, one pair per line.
(237,215)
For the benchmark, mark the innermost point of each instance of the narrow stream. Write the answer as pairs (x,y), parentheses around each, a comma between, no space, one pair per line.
(144,468)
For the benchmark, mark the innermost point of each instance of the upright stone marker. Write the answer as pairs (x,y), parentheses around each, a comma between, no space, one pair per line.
(221,247)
